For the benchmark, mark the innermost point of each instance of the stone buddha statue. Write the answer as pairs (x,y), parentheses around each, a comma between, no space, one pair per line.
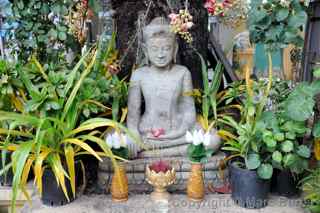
(160,113)
(162,84)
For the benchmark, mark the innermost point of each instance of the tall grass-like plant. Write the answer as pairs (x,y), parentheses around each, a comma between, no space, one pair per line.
(40,141)
(214,103)
(246,145)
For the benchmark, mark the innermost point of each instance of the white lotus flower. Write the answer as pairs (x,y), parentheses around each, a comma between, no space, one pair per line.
(109,140)
(207,139)
(116,140)
(198,137)
(116,144)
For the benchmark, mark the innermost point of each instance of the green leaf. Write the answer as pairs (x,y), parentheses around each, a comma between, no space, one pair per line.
(253,161)
(299,105)
(316,73)
(291,135)
(20,5)
(316,130)
(265,171)
(95,6)
(282,14)
(251,110)
(287,146)
(62,36)
(277,156)
(298,19)
(289,160)
(53,33)
(279,136)
(304,151)
(271,143)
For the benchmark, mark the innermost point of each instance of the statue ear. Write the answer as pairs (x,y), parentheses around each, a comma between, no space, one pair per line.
(175,53)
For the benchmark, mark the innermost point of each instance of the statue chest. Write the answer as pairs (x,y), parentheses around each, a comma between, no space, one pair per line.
(162,90)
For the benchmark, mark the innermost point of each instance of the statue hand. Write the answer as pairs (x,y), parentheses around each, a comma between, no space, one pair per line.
(173,134)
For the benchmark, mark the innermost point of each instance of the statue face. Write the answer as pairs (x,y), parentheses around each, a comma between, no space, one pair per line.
(160,51)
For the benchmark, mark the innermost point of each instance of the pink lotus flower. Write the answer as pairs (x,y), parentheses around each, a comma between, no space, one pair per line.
(160,166)
(157,132)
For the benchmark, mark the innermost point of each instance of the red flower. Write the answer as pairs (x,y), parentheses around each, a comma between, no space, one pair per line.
(160,166)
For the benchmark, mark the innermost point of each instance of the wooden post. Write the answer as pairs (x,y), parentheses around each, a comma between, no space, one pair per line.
(311,53)
(1,39)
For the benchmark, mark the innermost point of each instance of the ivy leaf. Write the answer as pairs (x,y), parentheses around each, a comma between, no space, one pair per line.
(265,171)
(277,156)
(279,136)
(299,105)
(298,19)
(62,36)
(289,160)
(253,161)
(304,151)
(287,146)
(282,14)
(290,135)
(53,34)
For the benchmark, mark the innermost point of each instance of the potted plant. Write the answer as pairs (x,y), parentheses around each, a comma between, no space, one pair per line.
(250,171)
(311,189)
(275,24)
(279,137)
(118,143)
(198,153)
(10,100)
(53,139)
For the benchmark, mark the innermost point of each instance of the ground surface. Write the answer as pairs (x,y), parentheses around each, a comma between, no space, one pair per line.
(177,204)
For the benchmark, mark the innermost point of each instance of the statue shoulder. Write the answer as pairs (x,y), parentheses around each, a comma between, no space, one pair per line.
(182,69)
(138,74)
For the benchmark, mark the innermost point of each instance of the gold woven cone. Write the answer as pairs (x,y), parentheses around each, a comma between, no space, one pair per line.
(119,184)
(195,187)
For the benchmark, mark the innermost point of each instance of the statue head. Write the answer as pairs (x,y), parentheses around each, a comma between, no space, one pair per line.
(160,45)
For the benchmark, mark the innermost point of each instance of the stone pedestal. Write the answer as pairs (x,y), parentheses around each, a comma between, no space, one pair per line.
(136,173)
(5,198)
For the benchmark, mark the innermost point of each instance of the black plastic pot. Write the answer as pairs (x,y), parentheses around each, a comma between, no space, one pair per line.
(7,178)
(286,184)
(52,194)
(248,190)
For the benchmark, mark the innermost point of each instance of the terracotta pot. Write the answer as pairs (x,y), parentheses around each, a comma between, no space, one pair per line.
(195,187)
(119,184)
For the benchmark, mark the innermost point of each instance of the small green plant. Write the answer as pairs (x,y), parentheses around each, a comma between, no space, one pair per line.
(311,188)
(280,140)
(197,151)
